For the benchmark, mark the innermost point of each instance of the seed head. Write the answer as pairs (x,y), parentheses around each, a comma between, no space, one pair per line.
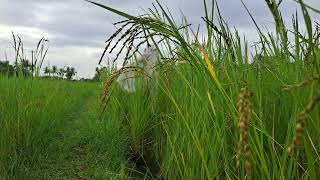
(244,109)
(301,84)
(301,124)
(108,83)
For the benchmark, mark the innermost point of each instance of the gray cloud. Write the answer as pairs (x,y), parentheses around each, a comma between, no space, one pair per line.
(77,30)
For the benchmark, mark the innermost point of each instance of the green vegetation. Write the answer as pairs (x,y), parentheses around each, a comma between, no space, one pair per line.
(67,72)
(51,129)
(206,114)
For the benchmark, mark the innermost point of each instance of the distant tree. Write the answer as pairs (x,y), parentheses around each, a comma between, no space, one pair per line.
(97,75)
(47,71)
(25,67)
(25,63)
(22,68)
(6,68)
(61,72)
(73,71)
(70,72)
(54,70)
(103,71)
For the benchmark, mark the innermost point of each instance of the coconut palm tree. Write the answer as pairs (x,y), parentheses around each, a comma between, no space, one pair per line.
(47,71)
(61,72)
(70,72)
(54,70)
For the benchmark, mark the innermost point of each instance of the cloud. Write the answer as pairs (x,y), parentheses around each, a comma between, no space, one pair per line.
(77,29)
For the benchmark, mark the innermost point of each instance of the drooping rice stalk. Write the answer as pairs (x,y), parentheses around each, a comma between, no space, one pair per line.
(302,123)
(108,84)
(303,83)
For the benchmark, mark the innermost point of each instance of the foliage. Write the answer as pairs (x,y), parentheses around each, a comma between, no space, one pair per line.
(70,72)
(50,130)
(67,72)
(210,112)
(6,68)
(187,129)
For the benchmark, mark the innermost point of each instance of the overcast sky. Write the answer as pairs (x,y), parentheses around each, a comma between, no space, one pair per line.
(77,30)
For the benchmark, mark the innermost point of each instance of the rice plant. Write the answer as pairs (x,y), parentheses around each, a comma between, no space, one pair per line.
(188,129)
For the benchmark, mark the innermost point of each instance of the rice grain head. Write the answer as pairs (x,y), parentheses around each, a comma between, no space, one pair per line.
(302,123)
(108,83)
(301,84)
(244,150)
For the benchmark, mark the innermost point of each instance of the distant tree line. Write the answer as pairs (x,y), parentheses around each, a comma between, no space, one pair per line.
(54,71)
(23,68)
(32,66)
